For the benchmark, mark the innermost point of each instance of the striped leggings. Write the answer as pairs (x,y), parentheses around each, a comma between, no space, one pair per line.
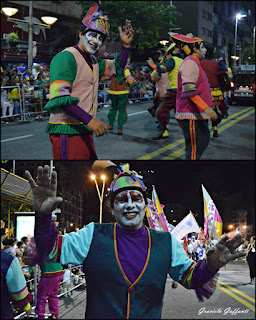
(197,137)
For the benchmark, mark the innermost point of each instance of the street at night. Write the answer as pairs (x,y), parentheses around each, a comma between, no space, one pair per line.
(236,139)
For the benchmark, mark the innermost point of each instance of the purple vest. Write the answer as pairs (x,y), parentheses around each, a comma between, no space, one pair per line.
(185,108)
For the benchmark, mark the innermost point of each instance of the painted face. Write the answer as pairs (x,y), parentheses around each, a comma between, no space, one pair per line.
(202,51)
(129,209)
(92,40)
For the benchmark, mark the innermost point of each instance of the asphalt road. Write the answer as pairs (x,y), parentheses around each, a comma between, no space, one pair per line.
(236,139)
(234,298)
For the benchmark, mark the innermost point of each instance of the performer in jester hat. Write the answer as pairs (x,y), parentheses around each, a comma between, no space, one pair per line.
(126,264)
(74,76)
(169,101)
(194,102)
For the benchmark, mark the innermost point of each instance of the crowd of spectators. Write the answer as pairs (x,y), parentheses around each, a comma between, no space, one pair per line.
(33,83)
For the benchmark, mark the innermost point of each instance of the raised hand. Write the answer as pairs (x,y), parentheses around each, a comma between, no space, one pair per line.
(44,193)
(150,62)
(224,252)
(126,36)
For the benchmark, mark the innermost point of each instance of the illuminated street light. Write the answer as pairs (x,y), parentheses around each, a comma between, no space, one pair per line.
(231,226)
(28,26)
(9,11)
(238,17)
(100,195)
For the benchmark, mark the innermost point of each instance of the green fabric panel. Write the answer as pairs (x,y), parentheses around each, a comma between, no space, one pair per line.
(67,129)
(51,267)
(187,281)
(53,105)
(63,67)
(119,70)
(118,105)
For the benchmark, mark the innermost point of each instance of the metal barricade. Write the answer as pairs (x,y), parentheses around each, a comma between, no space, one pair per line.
(36,279)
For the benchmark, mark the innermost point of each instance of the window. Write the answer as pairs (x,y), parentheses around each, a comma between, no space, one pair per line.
(204,13)
(210,17)
(203,30)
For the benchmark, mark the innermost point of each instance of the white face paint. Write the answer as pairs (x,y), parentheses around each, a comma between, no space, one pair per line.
(129,209)
(92,40)
(202,52)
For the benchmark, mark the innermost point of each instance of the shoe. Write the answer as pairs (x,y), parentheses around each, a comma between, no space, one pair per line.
(120,132)
(110,127)
(225,115)
(162,136)
(174,284)
(215,133)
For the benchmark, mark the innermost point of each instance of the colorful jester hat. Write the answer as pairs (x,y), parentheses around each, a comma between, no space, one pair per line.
(94,20)
(126,180)
(185,41)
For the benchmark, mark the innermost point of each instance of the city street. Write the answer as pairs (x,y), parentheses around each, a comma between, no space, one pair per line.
(236,139)
(234,298)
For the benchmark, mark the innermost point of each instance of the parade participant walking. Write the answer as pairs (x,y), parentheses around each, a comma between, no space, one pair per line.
(194,103)
(13,284)
(169,101)
(250,251)
(74,76)
(212,70)
(118,94)
(126,264)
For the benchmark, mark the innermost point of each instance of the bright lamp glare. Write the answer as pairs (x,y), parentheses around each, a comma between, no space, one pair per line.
(93,177)
(103,177)
(49,20)
(9,11)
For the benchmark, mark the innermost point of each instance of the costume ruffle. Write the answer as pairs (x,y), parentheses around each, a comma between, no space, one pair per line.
(186,95)
(53,106)
(207,290)
(67,129)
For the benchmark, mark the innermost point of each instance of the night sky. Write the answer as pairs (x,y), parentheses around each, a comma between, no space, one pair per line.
(231,185)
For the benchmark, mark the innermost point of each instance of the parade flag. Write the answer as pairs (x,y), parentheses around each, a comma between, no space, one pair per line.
(152,216)
(201,236)
(187,225)
(231,233)
(162,219)
(212,218)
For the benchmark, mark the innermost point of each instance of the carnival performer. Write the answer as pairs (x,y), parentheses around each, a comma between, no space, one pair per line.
(74,76)
(212,70)
(13,284)
(126,264)
(194,103)
(118,93)
(51,276)
(169,101)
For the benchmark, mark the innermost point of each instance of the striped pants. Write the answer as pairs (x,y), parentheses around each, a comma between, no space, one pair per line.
(197,137)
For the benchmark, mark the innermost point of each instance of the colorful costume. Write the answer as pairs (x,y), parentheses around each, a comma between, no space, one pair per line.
(74,78)
(13,284)
(212,69)
(118,93)
(126,270)
(193,96)
(169,100)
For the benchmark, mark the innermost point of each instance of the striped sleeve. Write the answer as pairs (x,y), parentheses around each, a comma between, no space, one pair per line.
(180,262)
(16,284)
(76,245)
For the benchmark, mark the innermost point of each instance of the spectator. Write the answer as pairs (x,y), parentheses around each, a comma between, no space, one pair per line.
(35,70)
(66,285)
(27,74)
(9,246)
(40,84)
(251,259)
(6,102)
(19,252)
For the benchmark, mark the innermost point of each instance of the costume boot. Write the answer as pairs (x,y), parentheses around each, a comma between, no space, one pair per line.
(163,135)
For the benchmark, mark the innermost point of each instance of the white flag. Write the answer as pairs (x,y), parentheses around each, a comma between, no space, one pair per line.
(187,225)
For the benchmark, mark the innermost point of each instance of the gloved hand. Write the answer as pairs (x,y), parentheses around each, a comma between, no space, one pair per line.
(44,193)
(224,252)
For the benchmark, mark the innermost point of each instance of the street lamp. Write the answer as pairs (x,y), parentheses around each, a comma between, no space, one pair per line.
(103,178)
(238,17)
(28,26)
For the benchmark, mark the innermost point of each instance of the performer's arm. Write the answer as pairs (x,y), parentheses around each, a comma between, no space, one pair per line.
(189,77)
(16,285)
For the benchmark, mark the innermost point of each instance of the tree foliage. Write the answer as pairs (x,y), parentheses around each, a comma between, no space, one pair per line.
(249,54)
(150,20)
